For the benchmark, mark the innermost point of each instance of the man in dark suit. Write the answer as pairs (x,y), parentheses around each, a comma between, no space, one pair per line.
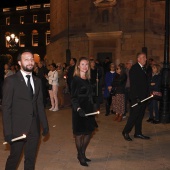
(139,90)
(23,111)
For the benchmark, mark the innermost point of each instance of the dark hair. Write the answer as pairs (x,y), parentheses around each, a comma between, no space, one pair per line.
(24,51)
(75,60)
(140,53)
(122,68)
(54,65)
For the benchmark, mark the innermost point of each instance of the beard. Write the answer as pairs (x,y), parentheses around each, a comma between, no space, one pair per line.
(27,69)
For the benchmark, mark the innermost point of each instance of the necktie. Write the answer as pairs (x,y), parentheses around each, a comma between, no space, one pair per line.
(29,86)
(144,69)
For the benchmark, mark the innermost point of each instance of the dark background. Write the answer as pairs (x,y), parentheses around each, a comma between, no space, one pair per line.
(11,3)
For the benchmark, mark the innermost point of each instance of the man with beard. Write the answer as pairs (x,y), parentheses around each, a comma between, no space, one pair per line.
(23,110)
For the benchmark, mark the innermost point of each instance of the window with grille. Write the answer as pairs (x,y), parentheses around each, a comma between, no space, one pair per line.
(48,37)
(35,19)
(35,39)
(47,17)
(7,20)
(22,40)
(21,19)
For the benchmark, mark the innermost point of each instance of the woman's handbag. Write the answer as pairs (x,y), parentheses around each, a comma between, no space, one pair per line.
(113,91)
(49,86)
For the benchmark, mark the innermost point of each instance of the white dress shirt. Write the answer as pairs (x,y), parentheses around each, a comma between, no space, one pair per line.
(26,79)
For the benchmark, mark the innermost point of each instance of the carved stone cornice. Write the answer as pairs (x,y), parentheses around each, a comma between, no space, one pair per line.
(104,3)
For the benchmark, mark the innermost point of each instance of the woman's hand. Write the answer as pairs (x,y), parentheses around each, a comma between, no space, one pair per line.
(109,88)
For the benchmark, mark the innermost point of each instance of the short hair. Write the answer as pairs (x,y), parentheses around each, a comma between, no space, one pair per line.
(24,51)
(53,64)
(140,53)
(75,60)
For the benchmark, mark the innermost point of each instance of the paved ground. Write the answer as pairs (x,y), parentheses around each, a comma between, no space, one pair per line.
(107,149)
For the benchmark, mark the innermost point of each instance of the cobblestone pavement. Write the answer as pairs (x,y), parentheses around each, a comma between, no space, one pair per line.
(107,149)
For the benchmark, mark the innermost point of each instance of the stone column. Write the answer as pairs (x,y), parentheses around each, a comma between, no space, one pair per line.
(118,51)
(91,46)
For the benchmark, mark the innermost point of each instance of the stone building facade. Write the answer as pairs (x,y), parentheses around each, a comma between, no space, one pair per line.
(117,29)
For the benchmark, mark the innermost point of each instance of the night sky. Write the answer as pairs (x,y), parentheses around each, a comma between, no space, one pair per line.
(11,3)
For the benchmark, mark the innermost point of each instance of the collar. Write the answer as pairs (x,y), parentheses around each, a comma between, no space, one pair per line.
(140,65)
(24,73)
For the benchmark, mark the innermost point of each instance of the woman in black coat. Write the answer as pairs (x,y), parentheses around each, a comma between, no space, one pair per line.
(82,103)
(118,99)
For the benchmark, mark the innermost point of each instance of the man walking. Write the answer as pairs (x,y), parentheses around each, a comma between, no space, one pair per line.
(23,110)
(139,90)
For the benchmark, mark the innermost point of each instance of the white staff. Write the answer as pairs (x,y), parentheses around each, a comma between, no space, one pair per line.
(94,113)
(15,139)
(143,100)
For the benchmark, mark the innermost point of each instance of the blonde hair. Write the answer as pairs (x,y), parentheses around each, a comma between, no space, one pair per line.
(77,69)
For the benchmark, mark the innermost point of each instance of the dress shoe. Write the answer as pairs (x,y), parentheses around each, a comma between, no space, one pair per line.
(126,136)
(82,161)
(155,121)
(141,136)
(149,120)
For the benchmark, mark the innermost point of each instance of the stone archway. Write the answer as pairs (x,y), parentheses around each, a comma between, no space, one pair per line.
(105,42)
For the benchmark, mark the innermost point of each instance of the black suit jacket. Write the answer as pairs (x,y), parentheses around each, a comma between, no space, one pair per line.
(139,84)
(18,107)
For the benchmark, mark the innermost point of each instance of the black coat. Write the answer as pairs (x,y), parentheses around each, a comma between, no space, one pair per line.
(82,96)
(139,84)
(119,83)
(17,106)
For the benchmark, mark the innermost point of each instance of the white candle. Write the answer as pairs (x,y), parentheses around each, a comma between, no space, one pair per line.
(15,139)
(143,100)
(94,113)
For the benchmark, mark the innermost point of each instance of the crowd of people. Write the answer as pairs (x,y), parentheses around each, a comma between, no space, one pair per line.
(89,83)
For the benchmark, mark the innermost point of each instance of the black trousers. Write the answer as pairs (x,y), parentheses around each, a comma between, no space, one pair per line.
(30,146)
(135,119)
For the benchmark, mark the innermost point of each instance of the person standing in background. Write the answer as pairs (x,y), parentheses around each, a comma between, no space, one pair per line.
(70,72)
(109,77)
(61,85)
(127,88)
(53,80)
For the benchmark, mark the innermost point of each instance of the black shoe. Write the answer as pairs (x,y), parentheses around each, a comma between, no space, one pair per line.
(141,136)
(82,161)
(106,114)
(126,136)
(155,121)
(149,120)
(87,160)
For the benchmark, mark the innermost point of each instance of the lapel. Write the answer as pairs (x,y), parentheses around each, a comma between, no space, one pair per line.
(22,84)
(35,86)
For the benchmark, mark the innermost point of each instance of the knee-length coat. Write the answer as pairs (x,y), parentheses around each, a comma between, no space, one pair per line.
(82,96)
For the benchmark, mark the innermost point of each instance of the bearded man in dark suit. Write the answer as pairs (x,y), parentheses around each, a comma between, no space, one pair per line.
(139,90)
(23,110)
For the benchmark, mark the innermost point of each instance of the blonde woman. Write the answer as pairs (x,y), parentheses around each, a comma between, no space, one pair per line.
(53,80)
(82,103)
